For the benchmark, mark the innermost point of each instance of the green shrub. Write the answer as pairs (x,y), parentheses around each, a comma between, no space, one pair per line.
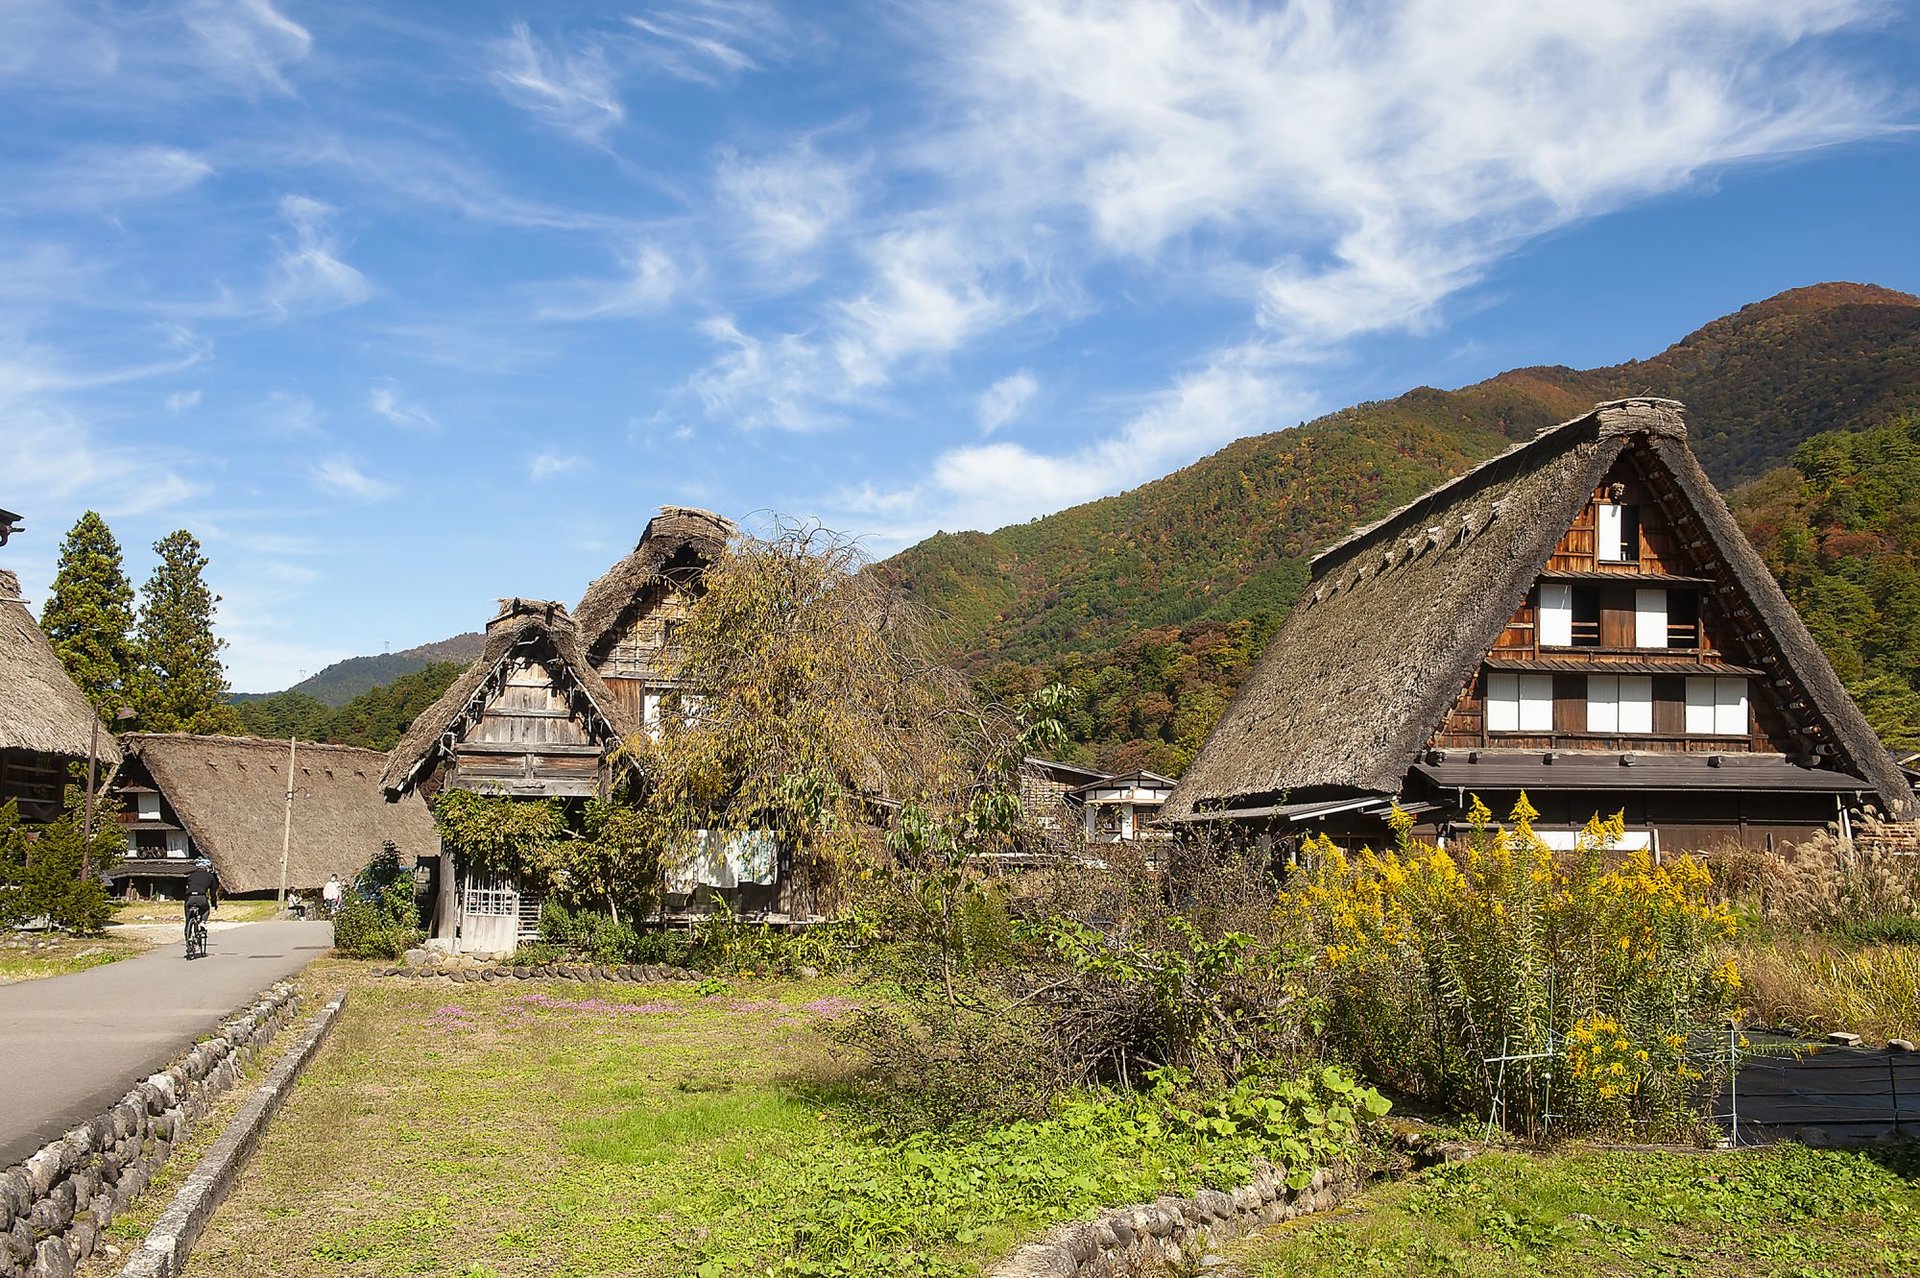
(377,917)
(597,938)
(535,953)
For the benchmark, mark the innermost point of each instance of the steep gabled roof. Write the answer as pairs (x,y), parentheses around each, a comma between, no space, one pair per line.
(1400,614)
(537,629)
(41,708)
(230,793)
(676,533)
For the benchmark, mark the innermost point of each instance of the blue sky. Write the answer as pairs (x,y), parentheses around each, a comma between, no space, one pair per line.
(402,308)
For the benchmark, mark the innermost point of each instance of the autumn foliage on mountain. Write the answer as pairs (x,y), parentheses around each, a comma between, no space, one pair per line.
(1152,605)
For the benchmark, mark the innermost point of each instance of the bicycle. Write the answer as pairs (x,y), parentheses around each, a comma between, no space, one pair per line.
(196,932)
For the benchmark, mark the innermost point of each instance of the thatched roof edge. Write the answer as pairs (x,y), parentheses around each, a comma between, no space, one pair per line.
(613,596)
(41,708)
(1860,749)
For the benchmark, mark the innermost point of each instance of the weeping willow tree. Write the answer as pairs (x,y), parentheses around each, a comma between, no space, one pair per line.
(811,702)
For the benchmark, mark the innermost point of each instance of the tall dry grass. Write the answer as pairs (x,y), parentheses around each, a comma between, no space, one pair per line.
(1809,984)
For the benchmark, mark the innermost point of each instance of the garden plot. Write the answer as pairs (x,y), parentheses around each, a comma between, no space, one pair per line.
(565,1127)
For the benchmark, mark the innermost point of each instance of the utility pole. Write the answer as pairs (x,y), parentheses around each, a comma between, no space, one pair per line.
(86,828)
(93,764)
(286,830)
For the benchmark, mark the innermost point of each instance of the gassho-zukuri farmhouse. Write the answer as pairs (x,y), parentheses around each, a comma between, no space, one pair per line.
(1578,619)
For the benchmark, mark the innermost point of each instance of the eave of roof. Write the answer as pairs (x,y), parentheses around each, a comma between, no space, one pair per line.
(1594,771)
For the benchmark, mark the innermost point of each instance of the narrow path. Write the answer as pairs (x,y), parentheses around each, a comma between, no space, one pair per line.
(72,1045)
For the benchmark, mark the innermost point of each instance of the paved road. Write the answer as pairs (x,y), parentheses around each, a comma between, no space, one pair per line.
(72,1045)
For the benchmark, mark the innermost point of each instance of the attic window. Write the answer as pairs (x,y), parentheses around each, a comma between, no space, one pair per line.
(1618,533)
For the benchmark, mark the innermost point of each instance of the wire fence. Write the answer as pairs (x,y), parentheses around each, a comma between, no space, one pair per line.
(1765,1088)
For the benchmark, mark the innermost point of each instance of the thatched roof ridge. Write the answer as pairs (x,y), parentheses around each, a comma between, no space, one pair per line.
(1642,415)
(230,794)
(41,708)
(542,629)
(1399,616)
(613,596)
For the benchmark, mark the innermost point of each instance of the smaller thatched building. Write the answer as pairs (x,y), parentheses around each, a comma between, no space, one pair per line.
(182,796)
(46,722)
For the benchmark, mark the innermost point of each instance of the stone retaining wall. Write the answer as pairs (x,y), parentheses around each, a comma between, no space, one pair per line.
(1171,1231)
(54,1205)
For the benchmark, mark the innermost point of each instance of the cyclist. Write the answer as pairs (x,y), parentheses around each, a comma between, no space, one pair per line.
(203,887)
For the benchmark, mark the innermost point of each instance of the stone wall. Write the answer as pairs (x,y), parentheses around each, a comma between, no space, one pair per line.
(1173,1231)
(54,1205)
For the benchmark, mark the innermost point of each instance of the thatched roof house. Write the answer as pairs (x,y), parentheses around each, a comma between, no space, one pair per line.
(225,798)
(1559,619)
(530,716)
(46,722)
(676,546)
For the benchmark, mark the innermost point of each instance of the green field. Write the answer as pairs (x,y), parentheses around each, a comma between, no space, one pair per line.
(1782,1211)
(550,1127)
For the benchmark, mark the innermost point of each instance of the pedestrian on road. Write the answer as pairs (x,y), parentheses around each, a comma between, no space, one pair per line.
(331,894)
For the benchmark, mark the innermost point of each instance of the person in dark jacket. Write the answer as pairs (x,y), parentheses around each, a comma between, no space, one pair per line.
(203,889)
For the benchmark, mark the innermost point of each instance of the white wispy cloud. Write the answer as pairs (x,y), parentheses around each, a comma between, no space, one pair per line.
(385,401)
(571,89)
(1374,161)
(649,279)
(288,415)
(1003,401)
(249,42)
(786,382)
(340,477)
(712,41)
(1238,392)
(787,204)
(929,294)
(548,464)
(99,178)
(181,401)
(312,278)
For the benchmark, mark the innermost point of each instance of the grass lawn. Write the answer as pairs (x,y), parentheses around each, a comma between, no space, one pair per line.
(571,1128)
(248,910)
(1786,1210)
(28,956)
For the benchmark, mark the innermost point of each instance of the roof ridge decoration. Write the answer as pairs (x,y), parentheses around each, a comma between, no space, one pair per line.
(1366,667)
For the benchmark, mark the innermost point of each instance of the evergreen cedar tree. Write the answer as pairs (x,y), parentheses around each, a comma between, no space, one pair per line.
(89,614)
(180,685)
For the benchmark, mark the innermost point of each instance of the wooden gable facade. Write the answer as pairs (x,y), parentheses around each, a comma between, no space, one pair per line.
(1579,620)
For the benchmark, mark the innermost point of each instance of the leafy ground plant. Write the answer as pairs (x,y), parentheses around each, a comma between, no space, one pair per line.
(579,1129)
(1785,1210)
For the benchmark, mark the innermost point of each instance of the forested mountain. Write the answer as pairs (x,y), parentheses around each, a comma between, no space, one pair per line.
(344,680)
(373,719)
(1151,605)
